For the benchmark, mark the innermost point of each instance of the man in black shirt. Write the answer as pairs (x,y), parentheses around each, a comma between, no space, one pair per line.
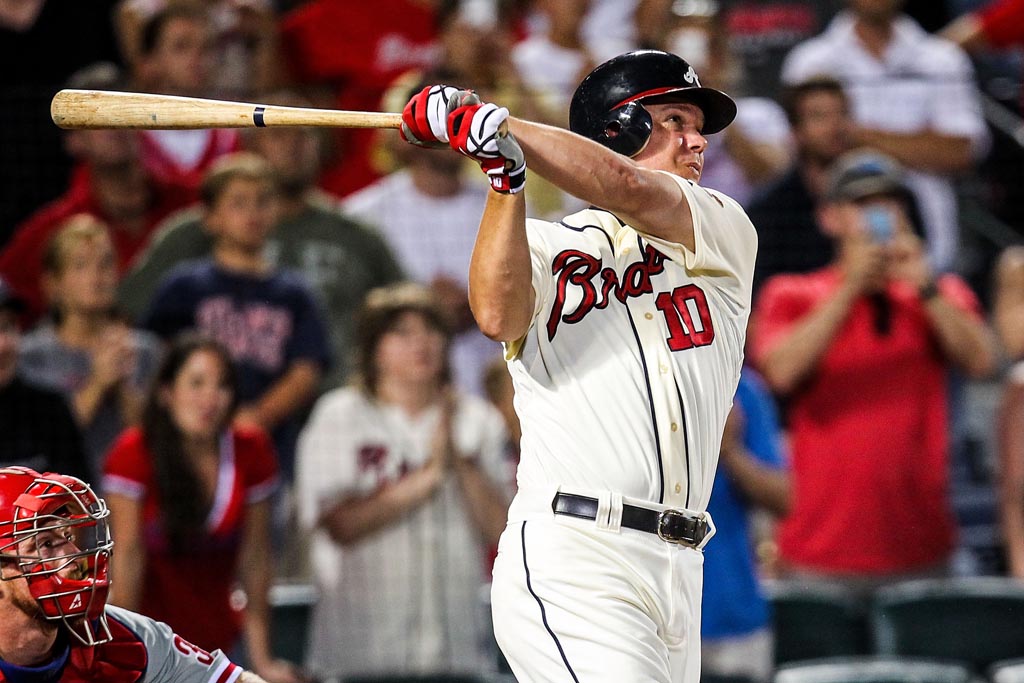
(37,429)
(789,240)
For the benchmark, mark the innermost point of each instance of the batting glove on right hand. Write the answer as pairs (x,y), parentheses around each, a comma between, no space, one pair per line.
(479,131)
(424,118)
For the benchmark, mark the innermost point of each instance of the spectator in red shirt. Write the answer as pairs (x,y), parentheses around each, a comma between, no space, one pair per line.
(177,58)
(998,24)
(862,349)
(189,497)
(109,183)
(357,49)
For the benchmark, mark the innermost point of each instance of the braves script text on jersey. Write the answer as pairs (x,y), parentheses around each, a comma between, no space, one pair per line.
(623,385)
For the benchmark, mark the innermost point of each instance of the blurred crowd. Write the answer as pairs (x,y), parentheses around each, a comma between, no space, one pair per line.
(258,343)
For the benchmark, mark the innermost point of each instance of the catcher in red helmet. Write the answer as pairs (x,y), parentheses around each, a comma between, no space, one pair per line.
(55,625)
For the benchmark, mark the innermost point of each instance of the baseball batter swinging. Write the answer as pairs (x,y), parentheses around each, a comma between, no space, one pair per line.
(623,326)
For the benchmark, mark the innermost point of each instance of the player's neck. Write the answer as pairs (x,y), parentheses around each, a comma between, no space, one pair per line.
(24,640)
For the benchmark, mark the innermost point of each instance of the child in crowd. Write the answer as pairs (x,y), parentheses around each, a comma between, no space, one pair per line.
(268,319)
(86,352)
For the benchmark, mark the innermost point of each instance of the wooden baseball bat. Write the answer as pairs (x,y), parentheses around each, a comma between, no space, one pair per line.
(78,109)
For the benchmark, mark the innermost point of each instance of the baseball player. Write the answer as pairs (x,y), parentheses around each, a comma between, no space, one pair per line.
(623,326)
(54,622)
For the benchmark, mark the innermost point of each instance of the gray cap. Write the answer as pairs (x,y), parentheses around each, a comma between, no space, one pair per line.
(863,173)
(9,301)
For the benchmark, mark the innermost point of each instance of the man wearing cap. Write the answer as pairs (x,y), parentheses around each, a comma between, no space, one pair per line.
(37,429)
(623,326)
(862,349)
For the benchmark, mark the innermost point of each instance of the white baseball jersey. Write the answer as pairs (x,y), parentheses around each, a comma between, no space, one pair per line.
(626,377)
(623,384)
(407,598)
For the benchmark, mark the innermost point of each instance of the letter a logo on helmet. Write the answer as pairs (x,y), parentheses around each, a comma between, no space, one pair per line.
(607,107)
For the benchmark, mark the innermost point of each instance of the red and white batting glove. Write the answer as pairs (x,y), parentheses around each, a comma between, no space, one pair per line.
(476,130)
(424,118)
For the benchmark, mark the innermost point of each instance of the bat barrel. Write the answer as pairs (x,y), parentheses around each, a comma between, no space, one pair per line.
(90,109)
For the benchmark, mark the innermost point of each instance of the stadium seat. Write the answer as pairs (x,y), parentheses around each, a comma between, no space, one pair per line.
(815,622)
(290,605)
(1008,671)
(978,621)
(873,669)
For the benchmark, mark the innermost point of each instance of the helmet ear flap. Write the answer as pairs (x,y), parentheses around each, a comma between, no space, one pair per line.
(626,129)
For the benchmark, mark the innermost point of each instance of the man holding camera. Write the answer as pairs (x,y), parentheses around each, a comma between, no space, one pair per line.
(862,349)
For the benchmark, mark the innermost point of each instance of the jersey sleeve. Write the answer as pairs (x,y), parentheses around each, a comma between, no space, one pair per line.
(725,242)
(171,658)
(326,457)
(540,275)
(127,469)
(259,461)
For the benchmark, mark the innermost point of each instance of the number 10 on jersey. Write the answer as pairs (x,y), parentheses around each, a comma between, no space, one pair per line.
(681,307)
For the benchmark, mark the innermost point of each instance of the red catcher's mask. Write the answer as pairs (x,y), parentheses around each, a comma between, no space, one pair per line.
(54,529)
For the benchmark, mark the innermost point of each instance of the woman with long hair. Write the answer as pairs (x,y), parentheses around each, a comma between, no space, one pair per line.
(189,496)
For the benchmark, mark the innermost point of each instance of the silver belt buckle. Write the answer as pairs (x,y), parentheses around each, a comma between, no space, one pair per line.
(663,516)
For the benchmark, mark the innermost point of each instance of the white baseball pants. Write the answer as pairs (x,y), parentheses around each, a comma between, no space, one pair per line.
(574,603)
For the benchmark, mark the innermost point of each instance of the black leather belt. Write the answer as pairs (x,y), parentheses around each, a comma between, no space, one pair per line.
(673,526)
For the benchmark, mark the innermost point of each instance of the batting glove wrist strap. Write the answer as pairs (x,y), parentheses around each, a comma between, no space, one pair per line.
(506,182)
(479,131)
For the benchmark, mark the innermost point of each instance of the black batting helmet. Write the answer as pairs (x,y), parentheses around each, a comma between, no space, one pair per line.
(607,106)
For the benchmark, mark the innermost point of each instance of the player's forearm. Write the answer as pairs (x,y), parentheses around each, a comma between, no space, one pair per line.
(255,574)
(289,394)
(1011,473)
(87,402)
(488,506)
(795,355)
(1008,309)
(967,32)
(131,401)
(646,199)
(126,572)
(924,151)
(764,486)
(354,519)
(966,341)
(500,273)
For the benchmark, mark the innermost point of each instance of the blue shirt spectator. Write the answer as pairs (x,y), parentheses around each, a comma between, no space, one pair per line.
(734,606)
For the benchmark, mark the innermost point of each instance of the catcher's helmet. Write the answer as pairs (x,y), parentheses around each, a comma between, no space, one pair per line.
(53,528)
(607,106)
